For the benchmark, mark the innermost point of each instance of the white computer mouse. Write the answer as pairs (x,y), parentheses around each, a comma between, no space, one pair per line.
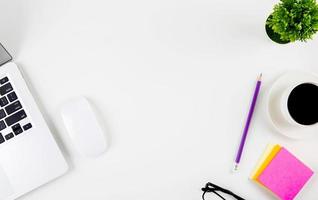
(83,127)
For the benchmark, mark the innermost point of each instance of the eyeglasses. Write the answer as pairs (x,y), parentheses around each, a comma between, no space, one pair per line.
(210,187)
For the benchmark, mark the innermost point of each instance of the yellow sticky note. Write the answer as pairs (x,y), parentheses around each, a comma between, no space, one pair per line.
(267,151)
(267,157)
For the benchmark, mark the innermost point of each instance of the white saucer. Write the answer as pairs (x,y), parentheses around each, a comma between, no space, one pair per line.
(273,105)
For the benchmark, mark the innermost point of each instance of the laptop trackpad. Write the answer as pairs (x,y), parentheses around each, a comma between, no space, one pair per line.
(5,187)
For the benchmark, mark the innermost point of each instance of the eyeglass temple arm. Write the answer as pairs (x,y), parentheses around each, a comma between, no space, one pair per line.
(208,190)
(210,187)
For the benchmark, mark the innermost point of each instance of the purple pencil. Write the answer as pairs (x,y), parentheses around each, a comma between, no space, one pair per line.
(248,122)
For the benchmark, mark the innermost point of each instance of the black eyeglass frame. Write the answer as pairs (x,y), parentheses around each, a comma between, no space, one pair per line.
(210,187)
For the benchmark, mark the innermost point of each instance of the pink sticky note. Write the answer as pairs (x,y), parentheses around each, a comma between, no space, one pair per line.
(285,175)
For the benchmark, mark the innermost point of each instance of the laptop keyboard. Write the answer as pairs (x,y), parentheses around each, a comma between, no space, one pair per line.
(12,115)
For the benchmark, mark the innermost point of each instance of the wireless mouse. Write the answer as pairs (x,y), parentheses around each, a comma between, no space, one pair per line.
(83,127)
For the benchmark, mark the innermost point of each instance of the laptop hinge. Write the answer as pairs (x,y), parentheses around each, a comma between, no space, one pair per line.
(4,55)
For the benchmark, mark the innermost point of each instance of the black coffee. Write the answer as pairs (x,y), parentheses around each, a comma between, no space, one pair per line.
(303,104)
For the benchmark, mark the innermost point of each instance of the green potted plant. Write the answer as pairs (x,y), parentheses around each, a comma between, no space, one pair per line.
(293,20)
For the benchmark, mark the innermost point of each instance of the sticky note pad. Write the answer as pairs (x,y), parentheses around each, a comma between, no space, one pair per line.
(285,175)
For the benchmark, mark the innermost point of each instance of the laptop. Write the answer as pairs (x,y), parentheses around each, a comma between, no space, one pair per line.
(29,155)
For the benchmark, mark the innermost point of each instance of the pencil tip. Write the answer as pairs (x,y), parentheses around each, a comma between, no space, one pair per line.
(235,168)
(260,76)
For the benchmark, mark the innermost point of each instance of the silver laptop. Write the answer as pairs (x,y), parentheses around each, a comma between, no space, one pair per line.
(29,155)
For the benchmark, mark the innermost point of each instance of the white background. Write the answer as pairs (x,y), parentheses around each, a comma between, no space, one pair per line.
(172,80)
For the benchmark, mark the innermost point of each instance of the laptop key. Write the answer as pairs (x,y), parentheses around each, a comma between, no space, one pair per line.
(12,96)
(17,129)
(27,126)
(2,114)
(3,101)
(13,107)
(4,80)
(6,88)
(12,119)
(2,125)
(9,136)
(1,138)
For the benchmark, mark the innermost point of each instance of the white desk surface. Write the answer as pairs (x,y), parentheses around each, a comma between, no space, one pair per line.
(172,80)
